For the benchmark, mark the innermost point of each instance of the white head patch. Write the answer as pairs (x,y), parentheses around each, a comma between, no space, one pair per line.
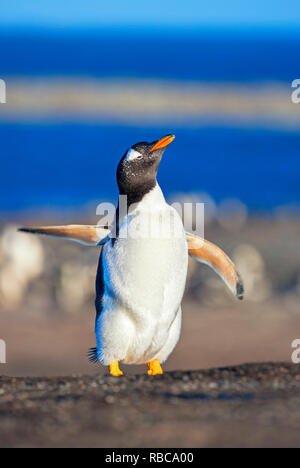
(133,154)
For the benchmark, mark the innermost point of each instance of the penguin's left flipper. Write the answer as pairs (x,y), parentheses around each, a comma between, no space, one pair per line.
(83,234)
(210,254)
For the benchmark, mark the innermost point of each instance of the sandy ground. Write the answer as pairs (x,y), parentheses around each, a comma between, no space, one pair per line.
(237,333)
(255,405)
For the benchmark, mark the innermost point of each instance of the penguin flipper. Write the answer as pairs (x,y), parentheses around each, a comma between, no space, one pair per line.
(83,234)
(210,254)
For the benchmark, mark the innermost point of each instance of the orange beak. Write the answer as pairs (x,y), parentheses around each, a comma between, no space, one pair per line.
(165,141)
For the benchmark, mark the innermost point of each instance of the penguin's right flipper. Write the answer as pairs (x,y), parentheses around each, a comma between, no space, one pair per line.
(210,254)
(83,234)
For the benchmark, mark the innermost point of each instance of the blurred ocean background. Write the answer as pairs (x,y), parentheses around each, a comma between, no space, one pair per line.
(77,100)
(84,81)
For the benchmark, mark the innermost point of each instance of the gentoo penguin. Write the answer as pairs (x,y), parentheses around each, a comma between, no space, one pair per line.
(143,266)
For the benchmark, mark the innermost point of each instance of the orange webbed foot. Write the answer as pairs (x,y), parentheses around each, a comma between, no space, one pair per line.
(154,367)
(114,369)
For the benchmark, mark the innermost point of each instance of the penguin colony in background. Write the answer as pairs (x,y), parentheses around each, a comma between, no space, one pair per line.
(141,278)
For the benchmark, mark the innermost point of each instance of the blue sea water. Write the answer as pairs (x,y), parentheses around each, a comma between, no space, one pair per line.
(205,55)
(47,166)
(60,165)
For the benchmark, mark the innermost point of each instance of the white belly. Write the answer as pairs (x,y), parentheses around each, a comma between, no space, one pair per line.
(144,283)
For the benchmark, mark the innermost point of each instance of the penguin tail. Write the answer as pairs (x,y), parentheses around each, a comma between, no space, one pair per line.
(92,355)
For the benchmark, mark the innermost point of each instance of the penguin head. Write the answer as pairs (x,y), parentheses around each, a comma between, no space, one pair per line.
(137,170)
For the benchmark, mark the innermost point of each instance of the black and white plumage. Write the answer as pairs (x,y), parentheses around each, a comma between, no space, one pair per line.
(143,266)
(141,278)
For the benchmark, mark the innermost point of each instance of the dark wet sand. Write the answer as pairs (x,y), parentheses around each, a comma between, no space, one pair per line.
(251,405)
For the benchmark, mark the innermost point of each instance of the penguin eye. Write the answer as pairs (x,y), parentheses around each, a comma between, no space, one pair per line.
(133,154)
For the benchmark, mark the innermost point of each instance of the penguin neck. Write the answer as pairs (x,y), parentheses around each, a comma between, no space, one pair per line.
(153,197)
